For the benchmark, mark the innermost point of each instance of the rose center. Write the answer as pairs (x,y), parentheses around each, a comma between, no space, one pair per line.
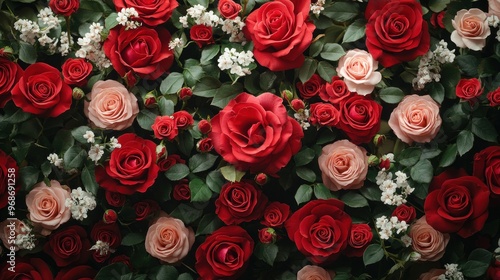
(357,113)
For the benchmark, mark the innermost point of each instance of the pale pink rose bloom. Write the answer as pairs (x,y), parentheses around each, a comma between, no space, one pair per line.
(111,106)
(427,241)
(46,206)
(8,226)
(471,29)
(432,274)
(494,7)
(314,272)
(168,239)
(344,165)
(358,68)
(416,118)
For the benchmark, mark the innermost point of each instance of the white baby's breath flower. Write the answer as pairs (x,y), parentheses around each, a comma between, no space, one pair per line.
(80,203)
(96,152)
(89,135)
(54,159)
(102,247)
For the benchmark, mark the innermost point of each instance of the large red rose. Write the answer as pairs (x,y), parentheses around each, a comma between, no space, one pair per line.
(9,177)
(224,254)
(10,73)
(81,272)
(64,7)
(360,118)
(131,168)
(240,202)
(396,31)
(142,51)
(229,8)
(457,203)
(151,12)
(68,246)
(42,92)
(27,269)
(487,168)
(320,230)
(281,32)
(256,133)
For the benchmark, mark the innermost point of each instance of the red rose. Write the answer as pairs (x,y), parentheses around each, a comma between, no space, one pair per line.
(320,230)
(76,71)
(10,73)
(171,160)
(182,190)
(335,92)
(360,237)
(224,254)
(42,92)
(142,51)
(82,272)
(405,213)
(396,31)
(183,119)
(205,145)
(437,19)
(131,168)
(297,105)
(27,269)
(261,179)
(68,246)
(202,35)
(360,118)
(267,235)
(494,97)
(165,127)
(204,126)
(228,8)
(240,202)
(487,168)
(494,270)
(468,88)
(457,203)
(313,87)
(110,216)
(109,233)
(275,214)
(115,199)
(185,93)
(144,209)
(123,259)
(256,133)
(151,13)
(64,7)
(9,177)
(281,32)
(324,114)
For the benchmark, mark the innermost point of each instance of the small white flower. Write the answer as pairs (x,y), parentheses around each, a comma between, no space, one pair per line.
(113,143)
(80,203)
(90,136)
(406,240)
(102,247)
(96,152)
(54,159)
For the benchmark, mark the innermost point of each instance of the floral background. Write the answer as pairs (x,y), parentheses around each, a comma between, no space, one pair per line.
(252,139)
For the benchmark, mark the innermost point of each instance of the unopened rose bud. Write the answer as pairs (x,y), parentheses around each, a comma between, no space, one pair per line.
(414,256)
(373,160)
(379,139)
(185,93)
(205,145)
(261,179)
(150,100)
(5,51)
(110,216)
(78,93)
(267,235)
(297,105)
(384,163)
(204,126)
(287,95)
(161,151)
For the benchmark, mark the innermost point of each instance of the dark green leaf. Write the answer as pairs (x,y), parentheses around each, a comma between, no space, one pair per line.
(410,156)
(391,95)
(306,174)
(74,158)
(354,200)
(449,156)
(315,48)
(46,168)
(304,157)
(468,64)
(450,75)
(208,53)
(204,3)
(225,94)
(231,174)
(332,51)
(355,31)
(215,180)
(186,213)
(422,172)
(465,141)
(88,180)
(266,252)
(113,271)
(201,162)
(133,238)
(28,177)
(307,69)
(474,269)
(483,129)
(177,172)
(208,224)
(185,276)
(206,87)
(438,5)
(371,193)
(146,119)
(77,133)
(27,53)
(21,148)
(199,191)
(192,74)
(322,192)
(163,272)
(341,11)
(63,140)
(267,80)
(166,107)
(303,194)
(326,71)
(373,254)
(172,83)
(18,116)
(436,91)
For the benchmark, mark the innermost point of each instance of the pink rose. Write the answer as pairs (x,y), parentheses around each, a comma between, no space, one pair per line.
(471,29)
(343,165)
(111,106)
(416,118)
(427,241)
(46,206)
(432,274)
(358,68)
(6,229)
(314,272)
(494,7)
(168,239)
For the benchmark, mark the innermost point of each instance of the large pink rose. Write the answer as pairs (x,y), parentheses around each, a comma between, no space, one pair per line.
(281,32)
(427,241)
(471,29)
(358,68)
(256,133)
(151,12)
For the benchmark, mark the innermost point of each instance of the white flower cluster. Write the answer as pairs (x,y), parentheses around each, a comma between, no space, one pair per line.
(80,203)
(175,43)
(394,192)
(199,15)
(29,30)
(430,65)
(91,48)
(95,152)
(27,239)
(452,273)
(236,62)
(113,144)
(302,116)
(125,18)
(234,27)
(317,7)
(102,247)
(54,159)
(388,227)
(497,251)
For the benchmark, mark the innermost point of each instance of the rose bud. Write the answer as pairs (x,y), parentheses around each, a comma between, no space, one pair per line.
(204,126)
(185,93)
(379,139)
(150,100)
(161,151)
(297,105)
(109,216)
(205,145)
(78,93)
(5,51)
(267,235)
(182,190)
(287,95)
(373,160)
(261,179)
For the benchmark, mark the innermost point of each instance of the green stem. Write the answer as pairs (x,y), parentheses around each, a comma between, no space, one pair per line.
(188,267)
(68,29)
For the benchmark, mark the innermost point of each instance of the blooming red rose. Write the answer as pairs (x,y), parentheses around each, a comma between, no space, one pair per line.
(360,237)
(320,230)
(81,272)
(10,73)
(335,92)
(228,8)
(171,160)
(109,233)
(396,31)
(151,12)
(202,35)
(110,216)
(143,209)
(185,93)
(275,214)
(204,126)
(182,190)
(68,246)
(165,127)
(42,92)
(437,19)
(205,145)
(115,199)
(281,32)
(224,254)
(75,71)
(313,87)
(267,235)
(9,177)
(27,269)
(324,114)
(64,7)
(131,168)
(405,213)
(487,168)
(240,202)
(256,133)
(360,118)
(494,97)
(457,203)
(183,119)
(468,88)
(143,51)
(123,259)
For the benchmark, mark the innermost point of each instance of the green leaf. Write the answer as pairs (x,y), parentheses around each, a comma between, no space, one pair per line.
(201,162)
(449,156)
(146,119)
(391,95)
(410,156)
(303,194)
(208,224)
(315,48)
(78,133)
(465,141)
(192,74)
(267,80)
(354,200)
(266,252)
(322,192)
(199,191)
(436,91)
(21,148)
(231,174)
(88,180)
(186,142)
(206,87)
(177,172)
(332,52)
(326,71)
(307,69)
(163,272)
(46,168)
(304,157)
(468,64)
(27,53)
(28,177)
(215,180)
(74,158)
(186,213)
(450,75)
(204,3)
(113,271)
(111,21)
(166,107)
(306,174)
(422,172)
(355,31)
(341,11)
(226,93)
(172,83)
(208,53)
(18,116)
(185,276)
(483,129)
(371,193)
(373,254)
(474,269)
(133,238)
(438,5)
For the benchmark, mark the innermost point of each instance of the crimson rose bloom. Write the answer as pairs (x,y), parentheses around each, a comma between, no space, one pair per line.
(8,176)
(42,92)
(202,35)
(76,71)
(320,230)
(405,213)
(281,32)
(335,92)
(183,119)
(494,270)
(171,160)
(143,51)
(228,8)
(457,204)
(165,127)
(143,209)
(360,118)
(182,190)
(115,199)
(30,269)
(151,12)
(131,168)
(82,272)
(494,97)
(468,88)
(324,114)
(313,87)
(10,73)
(275,214)
(224,254)
(109,233)
(240,202)
(64,7)
(396,31)
(487,168)
(256,133)
(360,237)
(68,246)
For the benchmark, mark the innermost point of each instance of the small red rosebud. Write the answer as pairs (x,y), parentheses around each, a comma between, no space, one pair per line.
(78,93)
(384,163)
(267,235)
(185,93)
(261,179)
(287,95)
(204,126)
(5,51)
(379,139)
(130,79)
(297,105)
(110,216)
(161,151)
(205,145)
(150,100)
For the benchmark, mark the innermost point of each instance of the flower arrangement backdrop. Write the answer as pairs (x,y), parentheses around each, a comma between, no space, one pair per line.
(252,139)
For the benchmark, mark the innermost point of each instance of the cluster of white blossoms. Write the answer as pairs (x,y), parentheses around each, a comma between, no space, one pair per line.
(387,228)
(302,116)
(125,18)
(102,247)
(91,47)
(26,239)
(394,191)
(430,65)
(199,15)
(494,21)
(317,7)
(175,43)
(95,152)
(54,159)
(236,62)
(452,273)
(80,203)
(234,28)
